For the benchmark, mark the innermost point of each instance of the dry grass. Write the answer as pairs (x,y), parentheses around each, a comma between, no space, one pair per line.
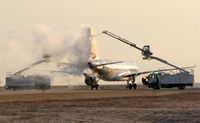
(82,95)
(102,106)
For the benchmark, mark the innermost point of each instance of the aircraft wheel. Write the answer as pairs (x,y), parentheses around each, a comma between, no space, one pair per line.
(130,86)
(92,87)
(97,86)
(134,86)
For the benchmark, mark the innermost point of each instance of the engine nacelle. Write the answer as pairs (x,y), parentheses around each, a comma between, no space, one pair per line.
(145,81)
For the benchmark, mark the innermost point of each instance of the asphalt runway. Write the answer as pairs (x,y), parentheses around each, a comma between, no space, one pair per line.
(103,88)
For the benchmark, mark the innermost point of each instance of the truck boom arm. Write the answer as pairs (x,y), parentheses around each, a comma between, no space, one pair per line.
(147,54)
(122,39)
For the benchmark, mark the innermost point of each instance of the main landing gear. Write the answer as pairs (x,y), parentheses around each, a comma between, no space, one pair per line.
(131,85)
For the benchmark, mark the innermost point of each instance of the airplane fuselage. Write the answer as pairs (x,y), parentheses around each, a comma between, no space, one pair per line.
(113,72)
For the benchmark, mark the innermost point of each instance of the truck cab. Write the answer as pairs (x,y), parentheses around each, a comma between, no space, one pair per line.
(153,81)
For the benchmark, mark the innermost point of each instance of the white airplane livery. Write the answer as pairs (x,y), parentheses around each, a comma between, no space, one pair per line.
(112,71)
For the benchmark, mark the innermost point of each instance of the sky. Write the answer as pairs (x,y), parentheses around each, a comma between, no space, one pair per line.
(170,27)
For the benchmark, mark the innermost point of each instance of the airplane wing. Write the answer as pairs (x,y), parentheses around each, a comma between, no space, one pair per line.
(59,71)
(64,64)
(145,72)
(72,67)
(109,63)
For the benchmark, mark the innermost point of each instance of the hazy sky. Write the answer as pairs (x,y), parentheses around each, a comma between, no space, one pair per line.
(171,27)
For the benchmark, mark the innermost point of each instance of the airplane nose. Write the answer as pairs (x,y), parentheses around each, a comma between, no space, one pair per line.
(90,65)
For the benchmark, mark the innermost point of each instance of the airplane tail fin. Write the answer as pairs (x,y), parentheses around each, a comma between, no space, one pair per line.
(92,45)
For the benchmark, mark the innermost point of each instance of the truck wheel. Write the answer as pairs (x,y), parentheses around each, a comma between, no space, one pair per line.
(14,89)
(156,87)
(181,87)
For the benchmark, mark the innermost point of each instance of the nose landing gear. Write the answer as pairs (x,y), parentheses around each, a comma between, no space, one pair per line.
(91,81)
(131,85)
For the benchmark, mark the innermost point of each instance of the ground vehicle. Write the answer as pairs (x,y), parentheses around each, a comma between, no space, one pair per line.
(19,80)
(26,82)
(168,80)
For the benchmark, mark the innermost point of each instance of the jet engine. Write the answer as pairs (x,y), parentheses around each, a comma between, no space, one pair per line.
(145,80)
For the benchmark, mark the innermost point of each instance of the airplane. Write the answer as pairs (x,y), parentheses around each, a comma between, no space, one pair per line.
(108,70)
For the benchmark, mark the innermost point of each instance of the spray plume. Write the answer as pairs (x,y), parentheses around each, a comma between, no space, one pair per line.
(71,44)
(75,46)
